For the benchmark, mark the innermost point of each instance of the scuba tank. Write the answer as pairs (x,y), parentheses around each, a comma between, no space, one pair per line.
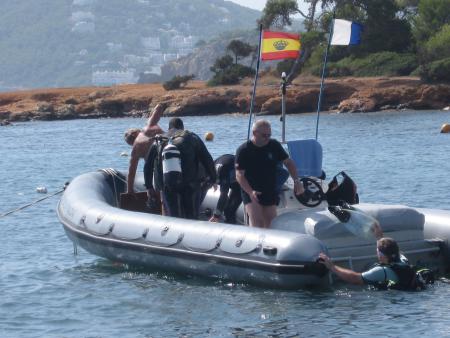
(171,167)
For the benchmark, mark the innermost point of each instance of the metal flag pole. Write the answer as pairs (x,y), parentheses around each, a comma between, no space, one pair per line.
(319,103)
(254,84)
(283,107)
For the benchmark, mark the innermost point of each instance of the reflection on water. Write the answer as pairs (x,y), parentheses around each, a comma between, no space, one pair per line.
(47,291)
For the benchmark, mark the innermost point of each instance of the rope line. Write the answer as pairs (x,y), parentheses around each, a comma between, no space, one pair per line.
(30,204)
(111,172)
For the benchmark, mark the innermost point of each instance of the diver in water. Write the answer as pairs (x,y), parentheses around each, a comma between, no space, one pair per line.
(391,272)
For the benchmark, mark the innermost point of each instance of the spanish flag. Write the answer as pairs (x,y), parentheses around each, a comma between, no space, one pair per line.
(280,45)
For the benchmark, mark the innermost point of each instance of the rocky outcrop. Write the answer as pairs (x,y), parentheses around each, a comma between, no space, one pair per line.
(344,95)
(403,97)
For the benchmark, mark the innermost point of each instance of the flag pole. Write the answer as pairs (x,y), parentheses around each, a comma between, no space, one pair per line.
(319,103)
(254,84)
(283,107)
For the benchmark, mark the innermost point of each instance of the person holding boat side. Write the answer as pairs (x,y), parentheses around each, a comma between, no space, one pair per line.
(391,272)
(256,171)
(141,140)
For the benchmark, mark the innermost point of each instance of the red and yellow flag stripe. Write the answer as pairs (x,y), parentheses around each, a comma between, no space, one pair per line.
(280,45)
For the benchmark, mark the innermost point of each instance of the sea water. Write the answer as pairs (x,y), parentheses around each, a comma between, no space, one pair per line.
(47,291)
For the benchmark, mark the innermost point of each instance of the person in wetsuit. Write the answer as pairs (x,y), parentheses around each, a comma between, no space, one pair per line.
(230,191)
(256,172)
(180,199)
(392,270)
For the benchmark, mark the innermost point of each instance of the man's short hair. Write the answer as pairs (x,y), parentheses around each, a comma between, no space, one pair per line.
(176,123)
(389,248)
(259,124)
(131,134)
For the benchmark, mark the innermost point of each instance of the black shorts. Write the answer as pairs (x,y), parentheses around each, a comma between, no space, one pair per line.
(265,199)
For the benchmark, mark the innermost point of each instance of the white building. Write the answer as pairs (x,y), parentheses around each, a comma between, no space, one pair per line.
(134,60)
(113,77)
(151,43)
(170,57)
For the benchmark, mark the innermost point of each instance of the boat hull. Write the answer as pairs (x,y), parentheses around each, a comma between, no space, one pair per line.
(284,256)
(263,257)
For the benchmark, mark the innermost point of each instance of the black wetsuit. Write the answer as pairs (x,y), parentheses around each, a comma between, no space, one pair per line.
(185,200)
(230,191)
(260,166)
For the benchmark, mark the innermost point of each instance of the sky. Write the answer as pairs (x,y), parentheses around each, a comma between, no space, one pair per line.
(259,4)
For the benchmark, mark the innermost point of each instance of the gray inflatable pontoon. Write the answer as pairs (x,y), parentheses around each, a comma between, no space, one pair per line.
(281,257)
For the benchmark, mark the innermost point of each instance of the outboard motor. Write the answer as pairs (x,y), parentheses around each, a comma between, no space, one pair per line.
(344,191)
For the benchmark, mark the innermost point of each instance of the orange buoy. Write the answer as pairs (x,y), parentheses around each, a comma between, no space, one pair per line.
(209,136)
(445,128)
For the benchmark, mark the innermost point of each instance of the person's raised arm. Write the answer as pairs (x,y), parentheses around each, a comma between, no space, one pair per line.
(156,114)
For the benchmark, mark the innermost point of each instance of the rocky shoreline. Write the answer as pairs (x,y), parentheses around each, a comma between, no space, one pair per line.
(342,95)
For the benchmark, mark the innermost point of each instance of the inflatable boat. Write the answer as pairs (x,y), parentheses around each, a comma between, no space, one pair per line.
(284,256)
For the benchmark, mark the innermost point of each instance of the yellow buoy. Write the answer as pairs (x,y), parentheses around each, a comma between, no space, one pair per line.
(445,128)
(209,136)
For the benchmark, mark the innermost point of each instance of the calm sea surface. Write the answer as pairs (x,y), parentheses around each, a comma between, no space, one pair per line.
(46,291)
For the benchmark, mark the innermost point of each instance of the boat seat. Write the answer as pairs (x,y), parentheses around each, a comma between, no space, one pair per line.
(324,225)
(307,155)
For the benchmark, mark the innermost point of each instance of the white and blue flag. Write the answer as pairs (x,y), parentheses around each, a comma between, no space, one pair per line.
(346,33)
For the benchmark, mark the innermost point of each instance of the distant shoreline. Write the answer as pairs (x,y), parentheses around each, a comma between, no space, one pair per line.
(341,95)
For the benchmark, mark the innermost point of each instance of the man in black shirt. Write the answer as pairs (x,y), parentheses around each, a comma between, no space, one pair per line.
(256,167)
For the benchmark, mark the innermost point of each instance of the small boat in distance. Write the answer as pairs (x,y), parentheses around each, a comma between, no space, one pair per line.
(284,256)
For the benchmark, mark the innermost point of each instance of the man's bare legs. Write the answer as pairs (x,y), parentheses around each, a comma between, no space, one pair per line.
(260,215)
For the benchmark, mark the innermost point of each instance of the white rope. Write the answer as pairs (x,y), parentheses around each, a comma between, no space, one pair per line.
(32,203)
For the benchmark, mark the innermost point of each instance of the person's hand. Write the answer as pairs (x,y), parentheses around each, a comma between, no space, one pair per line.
(214,219)
(215,186)
(325,260)
(254,196)
(298,187)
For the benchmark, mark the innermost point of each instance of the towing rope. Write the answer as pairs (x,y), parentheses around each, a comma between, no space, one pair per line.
(111,172)
(32,203)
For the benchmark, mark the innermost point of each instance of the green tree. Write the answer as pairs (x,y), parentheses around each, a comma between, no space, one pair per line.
(239,49)
(432,15)
(438,46)
(226,72)
(177,82)
(278,13)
